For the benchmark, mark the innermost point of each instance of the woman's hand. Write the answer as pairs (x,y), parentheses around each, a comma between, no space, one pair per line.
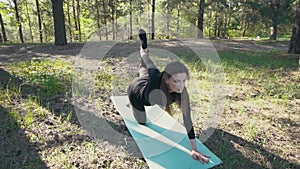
(199,156)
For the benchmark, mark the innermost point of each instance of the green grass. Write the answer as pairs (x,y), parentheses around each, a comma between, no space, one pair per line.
(26,110)
(262,90)
(266,71)
(52,77)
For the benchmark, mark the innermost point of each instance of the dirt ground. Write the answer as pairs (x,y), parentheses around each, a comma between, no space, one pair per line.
(19,52)
(56,133)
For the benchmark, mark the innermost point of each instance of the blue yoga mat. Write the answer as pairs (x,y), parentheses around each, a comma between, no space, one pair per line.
(162,141)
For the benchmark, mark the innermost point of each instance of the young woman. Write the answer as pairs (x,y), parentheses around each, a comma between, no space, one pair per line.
(162,88)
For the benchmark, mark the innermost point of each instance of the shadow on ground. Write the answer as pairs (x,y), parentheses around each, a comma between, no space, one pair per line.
(232,149)
(16,151)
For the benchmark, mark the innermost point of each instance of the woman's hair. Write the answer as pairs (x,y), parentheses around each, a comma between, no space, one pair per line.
(170,70)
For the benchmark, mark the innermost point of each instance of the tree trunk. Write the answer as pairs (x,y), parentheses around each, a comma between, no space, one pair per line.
(45,32)
(112,19)
(105,19)
(153,19)
(69,22)
(200,19)
(29,21)
(216,24)
(98,18)
(39,20)
(274,21)
(294,46)
(274,31)
(59,22)
(78,20)
(76,36)
(209,23)
(130,21)
(228,24)
(149,16)
(18,21)
(169,13)
(245,26)
(178,17)
(4,37)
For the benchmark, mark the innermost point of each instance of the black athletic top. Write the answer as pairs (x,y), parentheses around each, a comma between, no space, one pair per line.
(140,89)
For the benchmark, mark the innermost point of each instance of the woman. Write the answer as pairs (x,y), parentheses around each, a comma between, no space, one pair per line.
(162,88)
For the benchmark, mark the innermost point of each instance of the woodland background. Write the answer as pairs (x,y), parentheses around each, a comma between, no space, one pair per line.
(258,43)
(76,20)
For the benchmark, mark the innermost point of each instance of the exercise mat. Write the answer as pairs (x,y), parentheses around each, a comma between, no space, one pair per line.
(162,141)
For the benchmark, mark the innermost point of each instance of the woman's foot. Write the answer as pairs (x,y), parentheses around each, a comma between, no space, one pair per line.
(143,38)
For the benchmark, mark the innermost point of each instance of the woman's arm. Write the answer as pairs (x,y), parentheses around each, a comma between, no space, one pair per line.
(185,108)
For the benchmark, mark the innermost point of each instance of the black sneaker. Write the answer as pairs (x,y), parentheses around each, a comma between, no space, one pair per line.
(143,38)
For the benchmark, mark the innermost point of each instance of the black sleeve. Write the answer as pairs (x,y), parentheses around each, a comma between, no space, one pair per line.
(191,133)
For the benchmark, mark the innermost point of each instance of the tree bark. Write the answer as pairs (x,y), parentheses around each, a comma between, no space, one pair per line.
(4,37)
(216,23)
(45,31)
(39,20)
(29,21)
(169,13)
(130,19)
(97,5)
(112,6)
(274,31)
(153,19)
(274,7)
(69,22)
(59,22)
(18,21)
(200,19)
(105,19)
(294,46)
(78,20)
(178,17)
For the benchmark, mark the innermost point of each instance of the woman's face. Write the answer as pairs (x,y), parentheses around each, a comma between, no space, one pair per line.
(177,82)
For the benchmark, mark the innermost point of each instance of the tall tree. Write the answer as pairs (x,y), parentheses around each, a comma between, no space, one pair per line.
(153,19)
(59,22)
(200,19)
(178,17)
(112,4)
(18,20)
(130,19)
(4,37)
(105,19)
(1,39)
(78,20)
(29,21)
(39,20)
(274,6)
(97,6)
(294,46)
(69,22)
(76,16)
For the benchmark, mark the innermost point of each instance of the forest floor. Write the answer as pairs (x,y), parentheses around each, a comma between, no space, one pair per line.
(39,127)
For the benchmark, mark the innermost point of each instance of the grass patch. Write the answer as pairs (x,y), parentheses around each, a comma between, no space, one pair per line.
(264,71)
(256,130)
(51,77)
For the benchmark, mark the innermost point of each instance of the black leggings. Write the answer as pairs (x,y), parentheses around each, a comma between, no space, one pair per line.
(140,88)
